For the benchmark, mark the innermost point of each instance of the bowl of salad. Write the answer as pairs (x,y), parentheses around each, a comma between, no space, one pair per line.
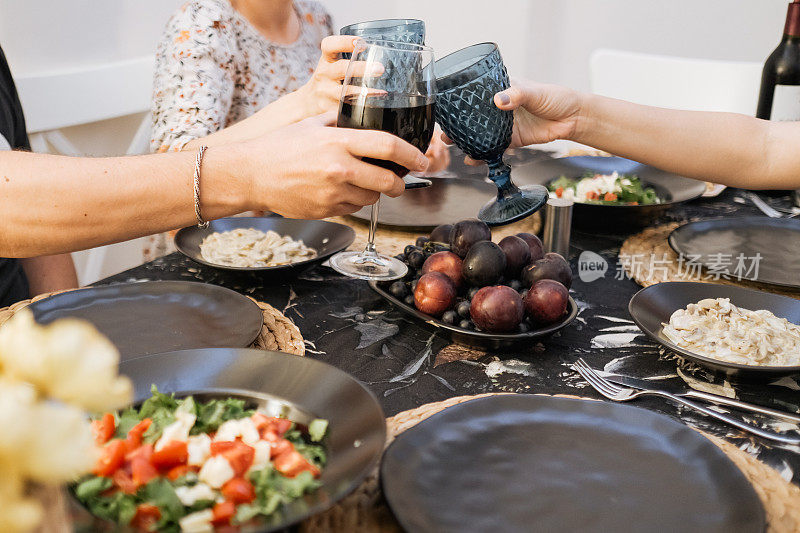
(228,440)
(610,192)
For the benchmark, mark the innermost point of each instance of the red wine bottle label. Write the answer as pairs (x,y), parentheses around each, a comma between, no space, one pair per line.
(786,103)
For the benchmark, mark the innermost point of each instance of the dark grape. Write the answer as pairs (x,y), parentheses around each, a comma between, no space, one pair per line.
(414,285)
(463,309)
(401,257)
(515,284)
(449,317)
(472,292)
(421,241)
(398,289)
(466,324)
(409,300)
(410,248)
(524,327)
(416,258)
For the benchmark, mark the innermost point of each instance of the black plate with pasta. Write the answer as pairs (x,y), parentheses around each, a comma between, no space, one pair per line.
(325,238)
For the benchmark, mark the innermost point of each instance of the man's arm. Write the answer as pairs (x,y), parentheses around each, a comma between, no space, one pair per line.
(49,273)
(55,204)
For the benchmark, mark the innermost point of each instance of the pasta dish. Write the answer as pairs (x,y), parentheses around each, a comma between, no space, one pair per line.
(249,247)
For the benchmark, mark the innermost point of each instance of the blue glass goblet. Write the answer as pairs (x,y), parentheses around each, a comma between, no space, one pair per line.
(403,30)
(466,82)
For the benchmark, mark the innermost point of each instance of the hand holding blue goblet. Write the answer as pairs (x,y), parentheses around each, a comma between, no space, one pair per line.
(467,81)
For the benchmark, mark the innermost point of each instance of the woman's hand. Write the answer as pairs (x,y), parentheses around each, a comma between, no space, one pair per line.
(308,170)
(542,113)
(438,155)
(322,92)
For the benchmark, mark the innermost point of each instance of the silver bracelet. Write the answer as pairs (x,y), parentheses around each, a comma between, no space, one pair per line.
(197,162)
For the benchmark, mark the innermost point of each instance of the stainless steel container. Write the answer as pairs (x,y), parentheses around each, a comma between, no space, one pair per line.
(557,225)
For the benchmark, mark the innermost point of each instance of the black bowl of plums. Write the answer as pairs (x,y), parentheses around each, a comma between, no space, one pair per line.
(485,295)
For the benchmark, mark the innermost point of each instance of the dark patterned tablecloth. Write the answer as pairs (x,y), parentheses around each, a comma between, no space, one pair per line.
(407,364)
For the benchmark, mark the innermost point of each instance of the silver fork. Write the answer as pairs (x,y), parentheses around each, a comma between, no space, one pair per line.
(619,393)
(765,208)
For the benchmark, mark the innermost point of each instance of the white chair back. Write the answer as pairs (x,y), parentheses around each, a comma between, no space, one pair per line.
(676,82)
(84,96)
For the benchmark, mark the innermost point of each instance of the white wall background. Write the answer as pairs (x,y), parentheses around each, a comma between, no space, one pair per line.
(548,40)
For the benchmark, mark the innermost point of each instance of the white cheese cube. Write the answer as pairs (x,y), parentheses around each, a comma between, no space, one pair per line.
(199,448)
(199,522)
(178,430)
(261,458)
(244,428)
(216,472)
(190,495)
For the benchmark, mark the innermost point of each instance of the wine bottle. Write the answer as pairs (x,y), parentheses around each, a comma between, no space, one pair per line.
(779,98)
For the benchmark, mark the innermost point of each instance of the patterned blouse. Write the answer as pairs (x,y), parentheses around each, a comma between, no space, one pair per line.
(214,68)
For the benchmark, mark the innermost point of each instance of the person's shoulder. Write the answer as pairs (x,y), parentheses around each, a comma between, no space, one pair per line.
(315,13)
(200,14)
(313,9)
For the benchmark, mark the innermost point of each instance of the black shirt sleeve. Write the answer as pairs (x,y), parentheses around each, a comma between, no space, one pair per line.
(13,284)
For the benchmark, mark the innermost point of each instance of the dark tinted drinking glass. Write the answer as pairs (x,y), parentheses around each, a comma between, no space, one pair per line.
(402,30)
(467,81)
(389,86)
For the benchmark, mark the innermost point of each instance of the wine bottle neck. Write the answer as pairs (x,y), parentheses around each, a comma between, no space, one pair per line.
(792,27)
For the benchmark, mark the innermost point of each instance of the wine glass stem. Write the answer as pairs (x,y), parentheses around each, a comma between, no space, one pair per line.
(369,250)
(500,174)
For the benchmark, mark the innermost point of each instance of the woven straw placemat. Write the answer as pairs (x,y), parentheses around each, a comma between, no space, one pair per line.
(393,241)
(277,332)
(649,259)
(365,511)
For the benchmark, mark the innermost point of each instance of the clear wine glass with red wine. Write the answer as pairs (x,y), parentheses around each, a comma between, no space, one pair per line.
(389,86)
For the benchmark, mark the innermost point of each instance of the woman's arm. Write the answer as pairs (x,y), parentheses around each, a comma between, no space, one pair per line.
(55,204)
(727,148)
(319,95)
(49,273)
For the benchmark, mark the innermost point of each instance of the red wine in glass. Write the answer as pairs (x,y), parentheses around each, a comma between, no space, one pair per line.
(410,117)
(389,86)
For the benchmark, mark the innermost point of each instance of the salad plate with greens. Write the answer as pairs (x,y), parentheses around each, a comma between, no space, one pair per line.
(604,189)
(228,440)
(610,192)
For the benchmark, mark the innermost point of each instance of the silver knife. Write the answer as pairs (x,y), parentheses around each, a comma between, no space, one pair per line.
(643,384)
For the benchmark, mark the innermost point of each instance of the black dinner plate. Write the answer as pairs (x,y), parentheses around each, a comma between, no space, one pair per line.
(671,188)
(652,306)
(296,387)
(327,238)
(446,201)
(480,339)
(515,463)
(775,240)
(143,318)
